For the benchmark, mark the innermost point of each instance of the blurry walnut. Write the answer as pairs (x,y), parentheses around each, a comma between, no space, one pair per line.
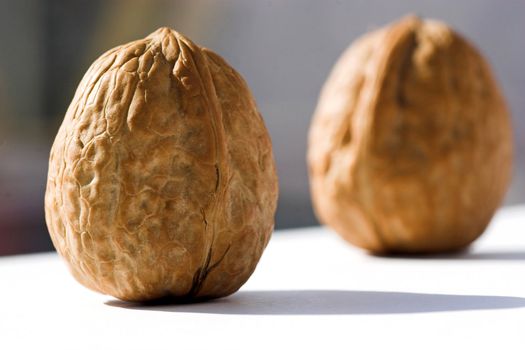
(410,147)
(161,179)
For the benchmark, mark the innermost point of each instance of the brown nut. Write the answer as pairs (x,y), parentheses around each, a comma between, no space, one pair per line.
(410,148)
(161,179)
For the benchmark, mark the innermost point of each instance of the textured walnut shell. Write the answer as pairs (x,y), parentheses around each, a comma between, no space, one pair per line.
(410,147)
(161,179)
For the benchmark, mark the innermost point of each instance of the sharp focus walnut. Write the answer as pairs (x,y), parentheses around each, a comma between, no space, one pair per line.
(410,148)
(161,179)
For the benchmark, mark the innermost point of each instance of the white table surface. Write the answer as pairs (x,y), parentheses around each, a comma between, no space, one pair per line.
(311,290)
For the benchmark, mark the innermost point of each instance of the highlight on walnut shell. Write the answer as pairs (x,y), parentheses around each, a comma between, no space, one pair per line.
(161,181)
(410,147)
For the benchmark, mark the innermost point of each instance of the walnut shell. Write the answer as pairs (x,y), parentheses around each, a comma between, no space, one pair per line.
(161,181)
(410,147)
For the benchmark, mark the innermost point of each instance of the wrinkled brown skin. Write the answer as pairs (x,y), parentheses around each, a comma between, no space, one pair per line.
(410,147)
(162,181)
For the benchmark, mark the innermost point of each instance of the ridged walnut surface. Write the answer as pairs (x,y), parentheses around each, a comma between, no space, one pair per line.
(161,179)
(410,147)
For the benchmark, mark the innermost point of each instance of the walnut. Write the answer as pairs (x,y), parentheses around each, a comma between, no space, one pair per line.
(410,147)
(161,181)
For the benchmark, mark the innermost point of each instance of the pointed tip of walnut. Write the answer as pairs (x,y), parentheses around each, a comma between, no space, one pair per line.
(415,24)
(163,31)
(410,20)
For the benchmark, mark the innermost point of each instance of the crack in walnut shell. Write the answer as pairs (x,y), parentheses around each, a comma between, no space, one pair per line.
(161,180)
(410,147)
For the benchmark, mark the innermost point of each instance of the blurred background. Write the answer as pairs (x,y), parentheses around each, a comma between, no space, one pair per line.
(284,49)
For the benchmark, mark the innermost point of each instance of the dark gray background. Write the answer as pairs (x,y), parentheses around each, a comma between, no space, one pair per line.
(284,49)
